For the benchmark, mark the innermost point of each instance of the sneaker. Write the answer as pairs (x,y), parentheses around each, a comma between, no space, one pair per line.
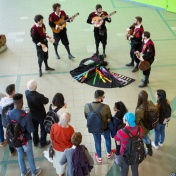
(28,170)
(37,172)
(155,146)
(109,155)
(173,174)
(99,160)
(2,144)
(160,144)
(13,153)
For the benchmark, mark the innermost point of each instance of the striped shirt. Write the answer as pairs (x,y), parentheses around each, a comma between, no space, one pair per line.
(123,137)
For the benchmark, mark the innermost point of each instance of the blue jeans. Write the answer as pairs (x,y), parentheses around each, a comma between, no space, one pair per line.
(146,139)
(28,149)
(1,131)
(97,139)
(159,133)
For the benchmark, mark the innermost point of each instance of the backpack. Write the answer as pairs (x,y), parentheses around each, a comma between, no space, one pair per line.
(50,119)
(134,152)
(15,136)
(4,114)
(80,163)
(152,118)
(95,123)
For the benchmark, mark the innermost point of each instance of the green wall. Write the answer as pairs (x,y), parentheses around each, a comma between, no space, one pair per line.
(169,5)
(157,3)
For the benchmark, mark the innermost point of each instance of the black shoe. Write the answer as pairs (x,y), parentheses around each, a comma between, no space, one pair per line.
(35,144)
(57,56)
(135,69)
(142,80)
(104,55)
(40,73)
(96,54)
(47,143)
(143,85)
(130,64)
(49,69)
(70,56)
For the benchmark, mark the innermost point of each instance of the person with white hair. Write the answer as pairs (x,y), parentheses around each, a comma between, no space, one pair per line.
(36,102)
(60,136)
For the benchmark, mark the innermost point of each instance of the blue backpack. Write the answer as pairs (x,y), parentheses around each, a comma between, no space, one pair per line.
(95,123)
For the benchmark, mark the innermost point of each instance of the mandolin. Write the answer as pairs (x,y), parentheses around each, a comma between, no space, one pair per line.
(62,23)
(98,21)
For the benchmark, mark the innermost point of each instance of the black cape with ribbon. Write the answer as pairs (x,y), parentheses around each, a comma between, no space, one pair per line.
(93,71)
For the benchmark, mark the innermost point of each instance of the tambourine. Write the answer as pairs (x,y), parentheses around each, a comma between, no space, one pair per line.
(144,65)
(44,48)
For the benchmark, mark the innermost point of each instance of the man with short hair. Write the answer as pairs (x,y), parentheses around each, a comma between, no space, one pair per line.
(26,127)
(105,113)
(6,104)
(136,41)
(122,139)
(54,17)
(38,34)
(100,33)
(147,54)
(36,102)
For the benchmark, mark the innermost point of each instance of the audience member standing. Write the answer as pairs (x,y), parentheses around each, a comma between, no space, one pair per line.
(76,140)
(60,135)
(142,109)
(105,114)
(117,120)
(36,102)
(26,127)
(164,109)
(6,104)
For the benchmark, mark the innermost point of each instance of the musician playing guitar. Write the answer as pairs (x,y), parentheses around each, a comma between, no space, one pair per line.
(136,41)
(100,31)
(38,34)
(147,54)
(59,31)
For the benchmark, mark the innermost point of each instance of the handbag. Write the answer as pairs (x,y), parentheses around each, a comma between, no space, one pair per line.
(144,65)
(51,151)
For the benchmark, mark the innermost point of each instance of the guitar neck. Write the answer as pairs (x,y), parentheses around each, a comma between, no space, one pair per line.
(103,18)
(69,18)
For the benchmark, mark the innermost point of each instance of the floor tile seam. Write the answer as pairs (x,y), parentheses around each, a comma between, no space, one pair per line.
(165,22)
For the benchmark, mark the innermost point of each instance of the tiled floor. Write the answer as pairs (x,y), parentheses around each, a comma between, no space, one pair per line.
(18,64)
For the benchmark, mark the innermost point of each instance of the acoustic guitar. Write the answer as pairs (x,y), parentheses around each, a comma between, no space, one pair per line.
(62,23)
(2,40)
(98,21)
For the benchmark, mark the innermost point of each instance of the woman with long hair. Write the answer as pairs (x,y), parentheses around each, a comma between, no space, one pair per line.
(141,113)
(164,110)
(116,123)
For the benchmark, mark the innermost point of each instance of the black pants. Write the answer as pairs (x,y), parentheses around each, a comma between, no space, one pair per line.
(100,38)
(125,168)
(42,56)
(43,133)
(135,47)
(62,35)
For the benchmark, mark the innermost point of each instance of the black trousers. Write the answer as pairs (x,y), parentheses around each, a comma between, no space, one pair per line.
(135,47)
(43,133)
(62,35)
(147,72)
(42,56)
(100,38)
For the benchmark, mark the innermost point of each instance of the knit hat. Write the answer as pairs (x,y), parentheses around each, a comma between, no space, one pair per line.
(130,118)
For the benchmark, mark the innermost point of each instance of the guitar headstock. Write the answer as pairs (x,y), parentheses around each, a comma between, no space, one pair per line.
(75,15)
(112,13)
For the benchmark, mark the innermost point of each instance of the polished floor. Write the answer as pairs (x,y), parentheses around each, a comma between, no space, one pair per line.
(18,64)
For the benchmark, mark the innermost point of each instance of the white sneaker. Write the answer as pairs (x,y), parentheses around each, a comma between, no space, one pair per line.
(155,146)
(28,170)
(160,144)
(37,172)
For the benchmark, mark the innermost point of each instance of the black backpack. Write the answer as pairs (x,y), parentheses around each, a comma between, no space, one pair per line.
(4,114)
(95,123)
(50,119)
(14,134)
(152,118)
(134,152)
(80,163)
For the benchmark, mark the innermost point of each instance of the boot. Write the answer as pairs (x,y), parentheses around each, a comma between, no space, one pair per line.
(130,64)
(150,151)
(104,55)
(40,73)
(144,84)
(142,80)
(57,55)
